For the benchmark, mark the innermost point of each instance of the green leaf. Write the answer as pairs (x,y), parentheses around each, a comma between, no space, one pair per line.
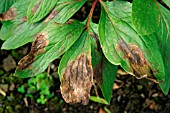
(5,5)
(145,16)
(137,55)
(75,70)
(163,37)
(38,9)
(109,72)
(7,26)
(51,43)
(104,72)
(17,31)
(21,32)
(96,49)
(24,33)
(99,100)
(66,8)
(167,2)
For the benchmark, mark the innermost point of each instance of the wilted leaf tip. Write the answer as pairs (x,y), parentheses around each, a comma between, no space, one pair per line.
(77,80)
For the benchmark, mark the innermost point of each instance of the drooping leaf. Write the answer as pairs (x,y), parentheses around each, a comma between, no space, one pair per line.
(5,5)
(104,72)
(145,16)
(38,9)
(163,37)
(76,72)
(50,43)
(109,72)
(137,55)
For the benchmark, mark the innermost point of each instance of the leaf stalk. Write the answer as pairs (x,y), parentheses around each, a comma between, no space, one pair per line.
(91,13)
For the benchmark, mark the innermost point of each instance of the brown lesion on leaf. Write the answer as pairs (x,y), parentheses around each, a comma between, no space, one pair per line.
(51,16)
(24,19)
(34,9)
(70,21)
(36,49)
(9,15)
(139,64)
(77,80)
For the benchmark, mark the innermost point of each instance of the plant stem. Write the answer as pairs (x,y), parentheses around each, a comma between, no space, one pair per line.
(91,14)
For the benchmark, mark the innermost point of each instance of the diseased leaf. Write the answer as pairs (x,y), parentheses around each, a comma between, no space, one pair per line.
(21,32)
(38,9)
(5,5)
(50,43)
(163,37)
(137,55)
(76,72)
(145,16)
(104,72)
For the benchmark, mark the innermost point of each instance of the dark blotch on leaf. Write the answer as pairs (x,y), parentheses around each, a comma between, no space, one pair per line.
(77,80)
(34,9)
(51,16)
(36,49)
(9,15)
(24,19)
(139,65)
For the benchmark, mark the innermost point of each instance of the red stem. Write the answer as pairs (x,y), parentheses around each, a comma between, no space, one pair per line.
(91,14)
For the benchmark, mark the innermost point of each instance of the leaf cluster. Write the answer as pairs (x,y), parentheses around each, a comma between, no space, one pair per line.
(134,35)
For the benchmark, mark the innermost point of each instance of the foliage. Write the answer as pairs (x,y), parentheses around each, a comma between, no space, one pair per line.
(41,83)
(134,35)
